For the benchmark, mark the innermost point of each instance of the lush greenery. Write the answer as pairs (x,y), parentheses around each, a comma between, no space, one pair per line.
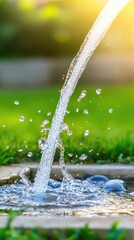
(71,234)
(57,27)
(27,29)
(111,135)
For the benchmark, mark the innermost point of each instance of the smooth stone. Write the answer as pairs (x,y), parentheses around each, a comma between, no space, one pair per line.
(54,183)
(98,180)
(115,186)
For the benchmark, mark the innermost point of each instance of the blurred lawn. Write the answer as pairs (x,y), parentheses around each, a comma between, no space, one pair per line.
(111,137)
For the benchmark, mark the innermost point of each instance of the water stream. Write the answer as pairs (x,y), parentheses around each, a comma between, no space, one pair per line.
(92,40)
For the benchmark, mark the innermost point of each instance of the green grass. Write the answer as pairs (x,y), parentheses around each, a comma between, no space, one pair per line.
(9,233)
(71,234)
(111,137)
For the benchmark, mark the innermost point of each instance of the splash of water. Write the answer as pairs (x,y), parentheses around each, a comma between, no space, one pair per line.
(67,177)
(92,40)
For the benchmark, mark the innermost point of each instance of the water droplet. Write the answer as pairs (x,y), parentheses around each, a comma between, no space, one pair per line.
(44,130)
(86,111)
(70,154)
(30,154)
(64,127)
(41,143)
(4,125)
(108,128)
(98,91)
(63,77)
(83,157)
(86,133)
(30,120)
(91,150)
(110,110)
(21,118)
(77,110)
(69,133)
(82,95)
(44,123)
(49,113)
(20,150)
(16,102)
(39,111)
(67,111)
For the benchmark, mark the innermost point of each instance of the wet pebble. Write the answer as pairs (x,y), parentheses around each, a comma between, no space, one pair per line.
(98,180)
(115,186)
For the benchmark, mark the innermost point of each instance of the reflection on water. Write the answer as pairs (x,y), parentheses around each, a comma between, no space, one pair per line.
(80,199)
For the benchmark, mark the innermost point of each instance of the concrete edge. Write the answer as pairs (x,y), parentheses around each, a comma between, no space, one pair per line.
(95,223)
(81,171)
(11,173)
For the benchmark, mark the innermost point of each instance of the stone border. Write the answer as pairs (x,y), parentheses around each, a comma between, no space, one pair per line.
(98,224)
(112,171)
(101,224)
(9,174)
(12,172)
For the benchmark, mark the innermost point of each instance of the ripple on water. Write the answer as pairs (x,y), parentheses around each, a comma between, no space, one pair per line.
(81,198)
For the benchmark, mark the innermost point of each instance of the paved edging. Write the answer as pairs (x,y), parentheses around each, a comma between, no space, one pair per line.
(112,171)
(9,174)
(100,223)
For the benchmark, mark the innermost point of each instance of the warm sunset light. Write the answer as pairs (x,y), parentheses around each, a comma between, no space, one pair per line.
(59,26)
(76,18)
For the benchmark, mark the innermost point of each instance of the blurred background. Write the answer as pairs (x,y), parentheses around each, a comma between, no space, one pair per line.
(39,38)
